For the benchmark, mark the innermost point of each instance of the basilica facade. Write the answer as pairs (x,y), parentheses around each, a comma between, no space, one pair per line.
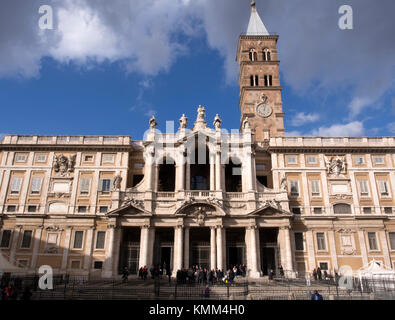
(91,205)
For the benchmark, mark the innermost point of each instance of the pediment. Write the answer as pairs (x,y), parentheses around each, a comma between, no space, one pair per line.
(129,209)
(269,210)
(200,208)
(209,133)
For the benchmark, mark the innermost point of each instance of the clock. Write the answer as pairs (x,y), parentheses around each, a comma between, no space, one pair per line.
(264,110)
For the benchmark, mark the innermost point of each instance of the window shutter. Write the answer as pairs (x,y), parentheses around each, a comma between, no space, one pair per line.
(363,184)
(383,187)
(36,184)
(85,184)
(16,184)
(100,185)
(315,187)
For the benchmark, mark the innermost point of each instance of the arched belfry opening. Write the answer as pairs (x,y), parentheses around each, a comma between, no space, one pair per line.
(167,176)
(200,166)
(233,177)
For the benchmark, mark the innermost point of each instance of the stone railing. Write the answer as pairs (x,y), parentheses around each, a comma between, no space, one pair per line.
(332,141)
(60,140)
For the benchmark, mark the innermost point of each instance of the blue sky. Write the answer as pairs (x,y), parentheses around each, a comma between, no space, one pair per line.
(108,73)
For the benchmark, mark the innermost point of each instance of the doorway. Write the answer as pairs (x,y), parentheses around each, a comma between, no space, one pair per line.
(130,250)
(268,260)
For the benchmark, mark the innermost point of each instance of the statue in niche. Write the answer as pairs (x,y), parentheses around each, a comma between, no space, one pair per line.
(117,182)
(246,124)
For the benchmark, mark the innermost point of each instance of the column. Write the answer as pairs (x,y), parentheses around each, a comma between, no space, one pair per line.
(107,268)
(88,249)
(286,252)
(252,252)
(66,248)
(310,250)
(218,169)
(375,193)
(117,248)
(362,244)
(357,208)
(325,193)
(221,247)
(186,247)
(213,250)
(37,240)
(14,244)
(332,246)
(151,241)
(181,178)
(306,194)
(212,171)
(384,246)
(143,257)
(178,248)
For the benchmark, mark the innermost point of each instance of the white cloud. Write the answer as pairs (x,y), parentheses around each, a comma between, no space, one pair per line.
(352,129)
(391,128)
(302,118)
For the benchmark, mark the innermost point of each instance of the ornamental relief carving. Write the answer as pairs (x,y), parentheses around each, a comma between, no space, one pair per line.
(64,165)
(336,166)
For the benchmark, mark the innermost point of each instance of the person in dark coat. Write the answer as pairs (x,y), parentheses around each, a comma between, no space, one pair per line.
(315,274)
(281,271)
(271,275)
(125,274)
(319,273)
(316,296)
(168,273)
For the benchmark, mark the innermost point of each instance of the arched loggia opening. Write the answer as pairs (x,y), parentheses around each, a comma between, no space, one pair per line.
(233,178)
(167,176)
(200,168)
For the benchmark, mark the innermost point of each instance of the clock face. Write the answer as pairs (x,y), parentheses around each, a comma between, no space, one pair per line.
(264,110)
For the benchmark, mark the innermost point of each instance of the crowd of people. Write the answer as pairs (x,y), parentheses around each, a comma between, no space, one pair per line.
(10,292)
(196,274)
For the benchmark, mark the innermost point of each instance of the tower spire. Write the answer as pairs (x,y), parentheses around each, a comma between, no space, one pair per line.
(256,26)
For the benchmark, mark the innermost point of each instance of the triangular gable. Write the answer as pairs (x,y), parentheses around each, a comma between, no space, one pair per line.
(268,210)
(129,209)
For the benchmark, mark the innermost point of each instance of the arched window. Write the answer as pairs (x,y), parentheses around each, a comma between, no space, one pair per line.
(342,208)
(253,55)
(167,176)
(254,81)
(200,168)
(233,176)
(266,55)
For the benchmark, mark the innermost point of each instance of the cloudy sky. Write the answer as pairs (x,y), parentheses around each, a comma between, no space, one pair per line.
(107,66)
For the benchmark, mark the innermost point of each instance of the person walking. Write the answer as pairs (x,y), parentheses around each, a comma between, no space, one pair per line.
(271,275)
(168,273)
(316,296)
(207,292)
(125,274)
(319,273)
(281,271)
(315,274)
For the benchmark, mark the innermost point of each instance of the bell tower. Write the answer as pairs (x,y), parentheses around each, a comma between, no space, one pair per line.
(259,80)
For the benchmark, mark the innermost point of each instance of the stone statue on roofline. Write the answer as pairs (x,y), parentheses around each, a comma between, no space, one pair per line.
(152,123)
(217,122)
(246,124)
(183,122)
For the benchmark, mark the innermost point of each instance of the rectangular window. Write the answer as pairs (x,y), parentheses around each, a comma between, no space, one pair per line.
(363,187)
(317,210)
(85,185)
(315,188)
(16,183)
(378,160)
(11,208)
(388,210)
(41,158)
(98,265)
(311,160)
(78,237)
(292,160)
(31,208)
(392,240)
(88,158)
(105,185)
(324,266)
(261,167)
(359,160)
(299,244)
(294,187)
(108,158)
(36,185)
(139,165)
(296,211)
(20,157)
(100,239)
(103,209)
(383,187)
(5,239)
(321,244)
(367,210)
(75,264)
(372,241)
(26,239)
(82,209)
